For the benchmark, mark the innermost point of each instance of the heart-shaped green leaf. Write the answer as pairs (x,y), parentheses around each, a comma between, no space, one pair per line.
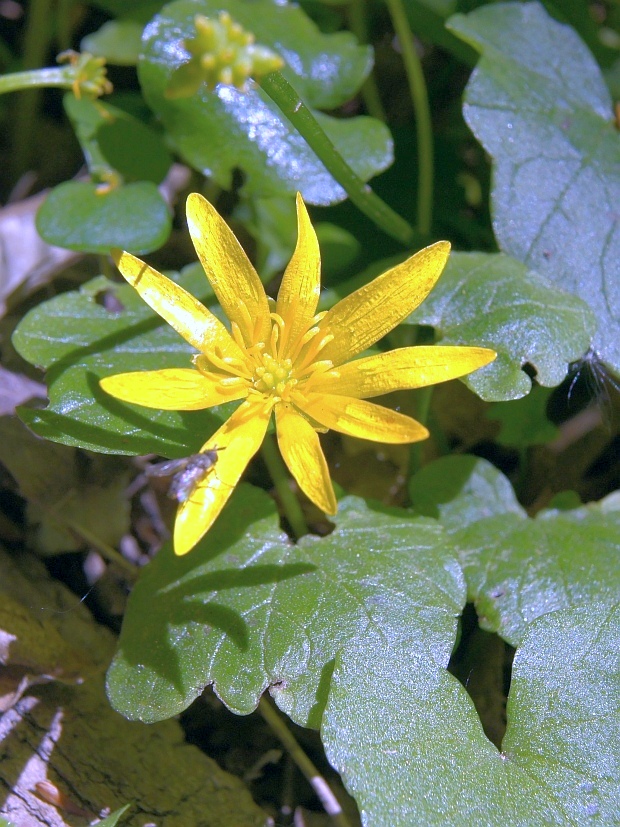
(106,328)
(248,609)
(118,41)
(518,569)
(495,301)
(81,216)
(539,105)
(409,745)
(218,132)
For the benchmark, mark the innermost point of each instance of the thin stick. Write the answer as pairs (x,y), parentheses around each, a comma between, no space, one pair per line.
(315,779)
(280,479)
(419,97)
(284,95)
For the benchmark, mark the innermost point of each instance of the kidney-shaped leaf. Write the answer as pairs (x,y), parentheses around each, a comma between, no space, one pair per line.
(495,301)
(518,569)
(80,216)
(409,745)
(102,329)
(460,490)
(247,609)
(218,132)
(540,107)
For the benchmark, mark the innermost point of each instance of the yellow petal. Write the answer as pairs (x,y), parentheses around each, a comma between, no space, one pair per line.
(361,319)
(236,443)
(180,309)
(364,420)
(235,281)
(407,367)
(301,450)
(171,389)
(301,284)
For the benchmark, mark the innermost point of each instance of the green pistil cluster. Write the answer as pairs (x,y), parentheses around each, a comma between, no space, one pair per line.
(221,52)
(273,377)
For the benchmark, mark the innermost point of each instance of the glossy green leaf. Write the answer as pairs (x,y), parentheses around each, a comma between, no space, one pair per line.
(218,132)
(273,225)
(118,41)
(549,125)
(113,139)
(106,328)
(407,741)
(80,216)
(460,490)
(247,609)
(518,569)
(495,301)
(524,422)
(134,150)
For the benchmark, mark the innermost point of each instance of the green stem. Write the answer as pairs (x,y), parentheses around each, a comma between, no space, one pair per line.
(282,93)
(36,42)
(314,778)
(370,92)
(106,551)
(277,472)
(424,397)
(62,76)
(419,97)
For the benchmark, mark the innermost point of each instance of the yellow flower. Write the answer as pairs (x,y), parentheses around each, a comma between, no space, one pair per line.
(282,357)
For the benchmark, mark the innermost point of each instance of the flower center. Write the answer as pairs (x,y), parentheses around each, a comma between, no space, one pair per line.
(272,377)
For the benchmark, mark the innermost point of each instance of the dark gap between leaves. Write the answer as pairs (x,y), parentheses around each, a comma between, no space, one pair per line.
(482,662)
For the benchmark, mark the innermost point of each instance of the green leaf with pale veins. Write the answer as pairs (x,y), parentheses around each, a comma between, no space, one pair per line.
(493,300)
(518,569)
(539,105)
(407,741)
(221,131)
(353,632)
(460,490)
(248,609)
(103,329)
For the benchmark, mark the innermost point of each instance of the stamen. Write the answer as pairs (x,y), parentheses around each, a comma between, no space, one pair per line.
(249,324)
(319,370)
(237,335)
(315,348)
(232,381)
(226,364)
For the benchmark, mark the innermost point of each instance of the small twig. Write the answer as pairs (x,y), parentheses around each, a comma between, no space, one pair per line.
(280,479)
(315,779)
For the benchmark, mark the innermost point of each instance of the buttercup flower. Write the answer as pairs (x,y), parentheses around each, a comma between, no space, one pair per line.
(282,357)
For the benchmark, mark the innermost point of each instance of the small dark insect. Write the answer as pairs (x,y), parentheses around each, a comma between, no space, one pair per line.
(188,472)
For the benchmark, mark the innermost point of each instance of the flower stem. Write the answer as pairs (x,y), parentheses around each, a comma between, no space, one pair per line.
(424,397)
(282,93)
(419,97)
(370,93)
(316,781)
(37,79)
(36,42)
(277,472)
